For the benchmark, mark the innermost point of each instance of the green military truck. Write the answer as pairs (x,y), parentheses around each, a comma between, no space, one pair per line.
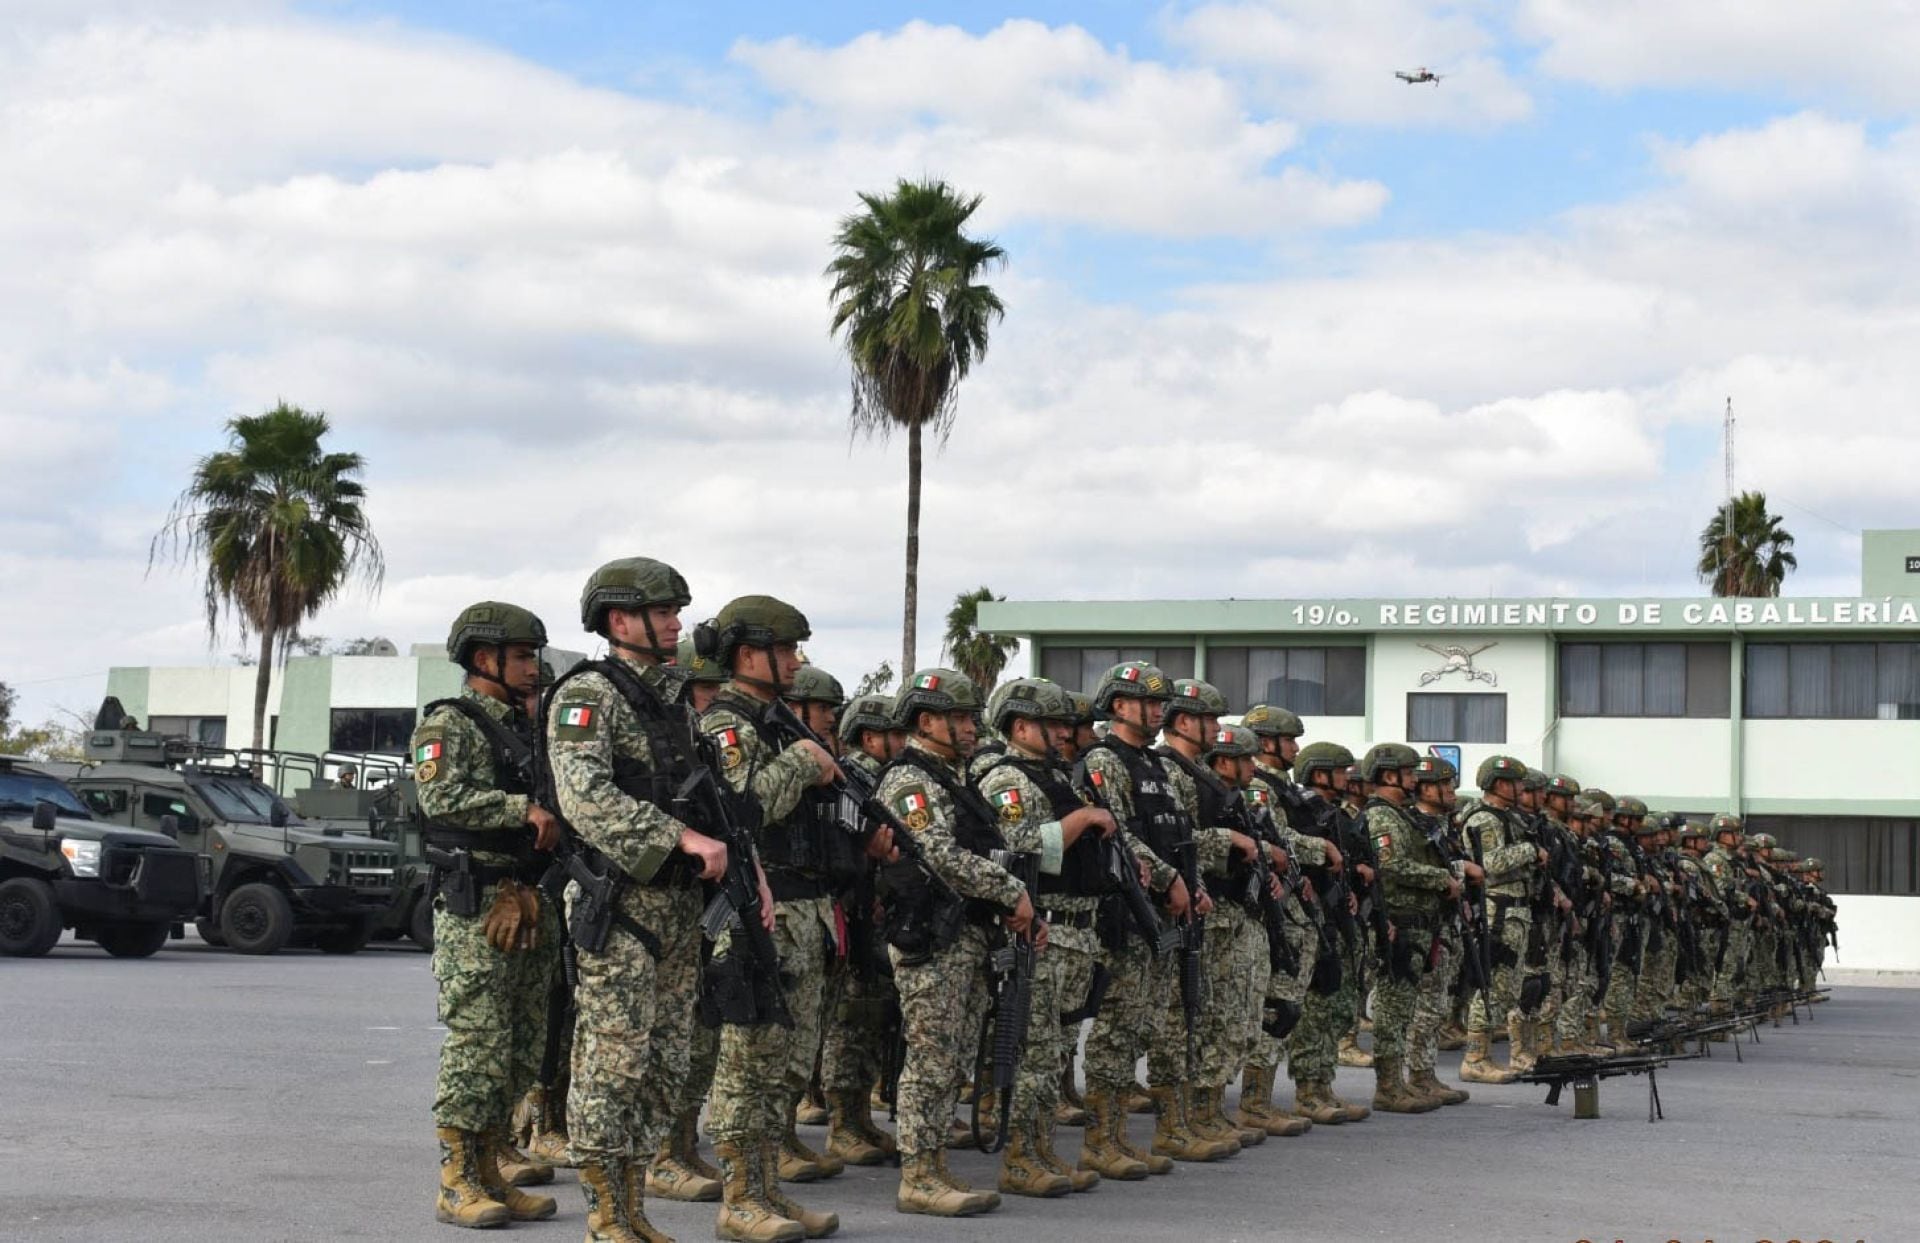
(125,889)
(386,805)
(268,878)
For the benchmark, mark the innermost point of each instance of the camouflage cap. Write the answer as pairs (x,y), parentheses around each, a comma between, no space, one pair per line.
(1498,768)
(1321,755)
(1270,721)
(812,684)
(1233,742)
(874,712)
(1196,698)
(630,583)
(491,623)
(697,668)
(1131,679)
(1387,757)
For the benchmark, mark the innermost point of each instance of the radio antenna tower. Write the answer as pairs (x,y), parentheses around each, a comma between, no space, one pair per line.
(1727,436)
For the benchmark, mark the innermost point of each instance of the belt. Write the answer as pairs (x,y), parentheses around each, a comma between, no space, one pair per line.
(793,886)
(1069,919)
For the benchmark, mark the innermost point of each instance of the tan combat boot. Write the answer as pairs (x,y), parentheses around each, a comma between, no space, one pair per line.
(1256,1098)
(1351,1054)
(1174,1137)
(1156,1163)
(958,1183)
(1099,1152)
(812,1109)
(1206,1121)
(1452,1037)
(516,1167)
(745,1214)
(614,1210)
(1351,1113)
(1601,1048)
(767,1182)
(1070,1110)
(677,1172)
(1428,1084)
(1478,1065)
(524,1123)
(1524,1049)
(1140,1101)
(851,1136)
(521,1206)
(1247,1135)
(801,1164)
(463,1200)
(548,1143)
(1390,1094)
(924,1189)
(1024,1173)
(1078,1179)
(1310,1101)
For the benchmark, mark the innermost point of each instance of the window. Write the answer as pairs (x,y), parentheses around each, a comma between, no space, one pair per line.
(372,729)
(1645,679)
(107,804)
(1833,681)
(208,731)
(1862,854)
(1079,668)
(154,806)
(1456,718)
(1311,681)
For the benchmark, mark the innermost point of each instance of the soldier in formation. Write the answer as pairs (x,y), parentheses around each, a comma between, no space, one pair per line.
(1213,897)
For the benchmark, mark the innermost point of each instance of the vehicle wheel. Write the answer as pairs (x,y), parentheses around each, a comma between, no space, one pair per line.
(420,925)
(349,940)
(208,933)
(132,940)
(29,917)
(257,919)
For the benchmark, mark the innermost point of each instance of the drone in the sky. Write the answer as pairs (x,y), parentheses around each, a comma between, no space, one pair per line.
(1414,77)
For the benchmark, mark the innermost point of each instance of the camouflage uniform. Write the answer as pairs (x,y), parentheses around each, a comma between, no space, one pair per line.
(1310,1047)
(1730,883)
(1414,877)
(1511,860)
(493,1003)
(854,1046)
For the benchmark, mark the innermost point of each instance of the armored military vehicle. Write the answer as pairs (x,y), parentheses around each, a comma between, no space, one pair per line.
(125,889)
(385,806)
(268,878)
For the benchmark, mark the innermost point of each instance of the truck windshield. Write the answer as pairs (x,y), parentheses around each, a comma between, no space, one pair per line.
(20,791)
(240,800)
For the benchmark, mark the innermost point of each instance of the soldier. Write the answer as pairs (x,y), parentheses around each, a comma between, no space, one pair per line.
(1120,772)
(1433,802)
(1630,917)
(763,1068)
(1661,927)
(1418,884)
(854,1051)
(702,675)
(1512,861)
(1565,1026)
(1030,788)
(938,933)
(619,747)
(1232,983)
(1710,913)
(1327,1018)
(493,939)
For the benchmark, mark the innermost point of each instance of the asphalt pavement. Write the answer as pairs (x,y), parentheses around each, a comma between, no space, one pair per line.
(201,1095)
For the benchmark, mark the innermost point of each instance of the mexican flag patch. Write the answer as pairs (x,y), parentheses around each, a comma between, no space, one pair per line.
(913,802)
(1130,674)
(1098,778)
(426,751)
(727,738)
(1007,798)
(577,716)
(927,682)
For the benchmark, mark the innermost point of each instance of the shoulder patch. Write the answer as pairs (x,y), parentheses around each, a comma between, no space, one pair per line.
(1383,846)
(912,807)
(1008,804)
(1258,794)
(577,721)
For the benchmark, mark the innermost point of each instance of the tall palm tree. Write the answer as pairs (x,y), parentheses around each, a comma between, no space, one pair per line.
(1744,551)
(913,317)
(982,657)
(281,527)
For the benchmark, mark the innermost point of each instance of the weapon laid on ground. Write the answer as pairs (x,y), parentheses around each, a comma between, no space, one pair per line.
(1003,1032)
(1584,1072)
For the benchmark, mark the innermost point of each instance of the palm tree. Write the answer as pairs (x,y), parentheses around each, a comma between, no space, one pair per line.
(281,526)
(980,656)
(913,319)
(1744,551)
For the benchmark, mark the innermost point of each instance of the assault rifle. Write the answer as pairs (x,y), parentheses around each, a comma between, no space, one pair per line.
(1258,894)
(1193,934)
(1003,1032)
(751,987)
(1476,968)
(1121,871)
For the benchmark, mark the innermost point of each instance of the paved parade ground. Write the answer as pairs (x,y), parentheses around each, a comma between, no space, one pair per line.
(201,1095)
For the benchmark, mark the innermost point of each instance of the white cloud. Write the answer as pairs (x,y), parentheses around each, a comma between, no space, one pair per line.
(1853,51)
(1336,62)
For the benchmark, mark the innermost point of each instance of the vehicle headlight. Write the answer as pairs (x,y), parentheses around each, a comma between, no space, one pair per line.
(82,856)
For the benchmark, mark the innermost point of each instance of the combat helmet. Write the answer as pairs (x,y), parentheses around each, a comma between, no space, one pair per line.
(1233,742)
(1498,768)
(1196,698)
(1813,864)
(1034,698)
(697,668)
(1435,770)
(1270,721)
(630,583)
(1693,830)
(1630,807)
(812,684)
(1132,679)
(874,712)
(1082,707)
(1728,823)
(1534,779)
(492,624)
(1606,801)
(1316,756)
(1760,841)
(750,621)
(933,690)
(1386,757)
(1562,784)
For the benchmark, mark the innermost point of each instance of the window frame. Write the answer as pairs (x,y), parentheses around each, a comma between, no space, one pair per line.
(373,747)
(1695,654)
(1457,698)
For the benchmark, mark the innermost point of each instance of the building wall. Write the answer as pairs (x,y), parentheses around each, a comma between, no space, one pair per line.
(1675,765)
(1519,664)
(1791,763)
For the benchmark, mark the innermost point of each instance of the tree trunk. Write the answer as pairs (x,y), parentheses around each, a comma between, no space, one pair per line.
(907,635)
(261,681)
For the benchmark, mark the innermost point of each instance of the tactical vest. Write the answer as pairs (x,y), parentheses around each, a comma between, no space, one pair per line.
(910,898)
(807,854)
(1157,817)
(669,741)
(1218,809)
(511,751)
(1080,875)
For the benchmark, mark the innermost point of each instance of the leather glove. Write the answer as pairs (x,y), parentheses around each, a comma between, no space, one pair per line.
(529,916)
(504,917)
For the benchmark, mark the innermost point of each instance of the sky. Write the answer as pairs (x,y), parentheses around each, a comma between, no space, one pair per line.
(1278,324)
